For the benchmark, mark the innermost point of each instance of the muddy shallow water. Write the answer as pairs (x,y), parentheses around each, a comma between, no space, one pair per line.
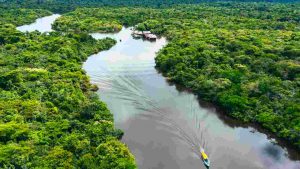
(164,127)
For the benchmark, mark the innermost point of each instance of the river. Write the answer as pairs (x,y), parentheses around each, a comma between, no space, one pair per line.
(165,126)
(43,24)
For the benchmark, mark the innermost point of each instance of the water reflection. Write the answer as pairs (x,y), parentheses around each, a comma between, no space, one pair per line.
(162,125)
(273,152)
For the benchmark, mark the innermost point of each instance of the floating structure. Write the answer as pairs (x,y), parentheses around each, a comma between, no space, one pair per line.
(137,33)
(145,34)
(150,36)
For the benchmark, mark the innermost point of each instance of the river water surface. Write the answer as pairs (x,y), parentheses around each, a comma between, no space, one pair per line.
(42,24)
(164,126)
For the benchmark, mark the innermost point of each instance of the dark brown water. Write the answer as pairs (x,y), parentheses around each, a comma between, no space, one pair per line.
(164,127)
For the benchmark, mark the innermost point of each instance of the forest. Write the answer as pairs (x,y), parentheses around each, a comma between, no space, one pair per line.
(49,115)
(20,17)
(62,6)
(243,57)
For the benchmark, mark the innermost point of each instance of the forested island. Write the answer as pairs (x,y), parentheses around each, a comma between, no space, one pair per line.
(241,56)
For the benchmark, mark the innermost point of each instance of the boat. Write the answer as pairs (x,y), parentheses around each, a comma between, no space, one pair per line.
(150,37)
(145,34)
(205,159)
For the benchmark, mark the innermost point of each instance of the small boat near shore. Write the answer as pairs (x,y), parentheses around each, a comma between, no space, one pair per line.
(150,37)
(137,34)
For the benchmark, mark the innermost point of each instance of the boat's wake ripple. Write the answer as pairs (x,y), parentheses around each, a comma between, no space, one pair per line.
(126,88)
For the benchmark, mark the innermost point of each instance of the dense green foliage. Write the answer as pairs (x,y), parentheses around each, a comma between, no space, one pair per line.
(74,22)
(49,116)
(248,65)
(20,16)
(242,56)
(62,6)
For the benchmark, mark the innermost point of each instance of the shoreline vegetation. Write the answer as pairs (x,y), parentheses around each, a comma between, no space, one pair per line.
(49,115)
(21,16)
(243,57)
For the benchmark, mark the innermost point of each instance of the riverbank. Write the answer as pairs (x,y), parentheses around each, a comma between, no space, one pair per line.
(19,17)
(147,135)
(50,117)
(138,96)
(236,123)
(229,62)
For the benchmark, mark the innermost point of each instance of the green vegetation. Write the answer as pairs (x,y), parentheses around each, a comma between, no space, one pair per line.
(62,6)
(86,23)
(248,65)
(49,116)
(20,16)
(101,20)
(242,56)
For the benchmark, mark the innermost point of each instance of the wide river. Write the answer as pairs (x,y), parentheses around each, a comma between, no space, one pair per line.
(165,126)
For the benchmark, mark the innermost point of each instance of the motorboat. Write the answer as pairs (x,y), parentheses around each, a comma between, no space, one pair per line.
(205,159)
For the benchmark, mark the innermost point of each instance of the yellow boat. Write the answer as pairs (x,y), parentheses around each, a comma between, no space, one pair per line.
(205,159)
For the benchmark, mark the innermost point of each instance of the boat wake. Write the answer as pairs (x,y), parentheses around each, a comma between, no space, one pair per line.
(126,88)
